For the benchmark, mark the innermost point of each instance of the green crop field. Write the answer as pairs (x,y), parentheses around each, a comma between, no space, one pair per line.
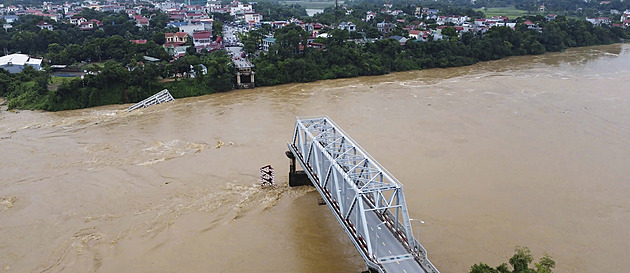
(510,12)
(312,4)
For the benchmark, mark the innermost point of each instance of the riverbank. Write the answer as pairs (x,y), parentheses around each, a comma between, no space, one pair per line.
(286,63)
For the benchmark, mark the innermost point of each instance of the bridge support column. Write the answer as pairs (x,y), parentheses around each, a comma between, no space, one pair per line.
(296,178)
(370,270)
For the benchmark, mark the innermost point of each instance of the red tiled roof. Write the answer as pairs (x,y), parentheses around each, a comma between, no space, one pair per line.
(202,35)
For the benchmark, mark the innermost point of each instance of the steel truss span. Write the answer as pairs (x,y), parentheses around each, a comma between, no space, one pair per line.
(366,199)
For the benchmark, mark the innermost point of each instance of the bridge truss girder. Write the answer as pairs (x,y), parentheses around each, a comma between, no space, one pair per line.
(354,185)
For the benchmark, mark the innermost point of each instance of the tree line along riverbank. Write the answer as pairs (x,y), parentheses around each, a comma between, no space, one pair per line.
(290,60)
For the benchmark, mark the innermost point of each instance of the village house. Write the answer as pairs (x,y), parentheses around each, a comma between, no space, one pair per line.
(192,28)
(370,16)
(253,18)
(385,27)
(15,63)
(237,7)
(177,37)
(96,23)
(12,8)
(278,24)
(196,16)
(44,25)
(402,40)
(599,21)
(142,22)
(453,19)
(418,11)
(77,20)
(9,19)
(175,51)
(166,6)
(86,26)
(268,42)
(625,19)
(213,5)
(349,26)
(202,38)
(396,12)
(414,34)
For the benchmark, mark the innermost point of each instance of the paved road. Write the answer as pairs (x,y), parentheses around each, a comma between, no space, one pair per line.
(229,38)
(387,246)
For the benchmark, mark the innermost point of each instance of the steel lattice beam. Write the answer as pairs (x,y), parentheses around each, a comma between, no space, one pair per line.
(356,188)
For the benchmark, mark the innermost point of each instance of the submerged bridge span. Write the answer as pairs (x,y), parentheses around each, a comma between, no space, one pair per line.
(367,200)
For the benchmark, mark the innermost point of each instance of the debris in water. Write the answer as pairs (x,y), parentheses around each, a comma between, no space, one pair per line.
(267,176)
(8,202)
(160,97)
(219,144)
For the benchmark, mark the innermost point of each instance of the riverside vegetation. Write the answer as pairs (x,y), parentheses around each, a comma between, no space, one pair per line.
(126,77)
(520,263)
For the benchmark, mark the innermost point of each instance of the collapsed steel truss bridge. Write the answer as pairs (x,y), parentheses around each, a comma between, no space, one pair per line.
(367,200)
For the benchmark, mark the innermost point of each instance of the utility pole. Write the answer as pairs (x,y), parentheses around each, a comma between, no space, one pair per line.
(336,15)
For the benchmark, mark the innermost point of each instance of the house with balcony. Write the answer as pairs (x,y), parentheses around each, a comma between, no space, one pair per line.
(176,38)
(267,43)
(202,38)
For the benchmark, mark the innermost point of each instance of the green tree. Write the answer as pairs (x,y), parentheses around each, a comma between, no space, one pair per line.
(520,263)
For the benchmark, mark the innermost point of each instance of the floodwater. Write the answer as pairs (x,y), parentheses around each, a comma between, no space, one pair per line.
(527,151)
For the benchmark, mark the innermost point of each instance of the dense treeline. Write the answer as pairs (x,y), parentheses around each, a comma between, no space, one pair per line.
(272,10)
(115,83)
(286,63)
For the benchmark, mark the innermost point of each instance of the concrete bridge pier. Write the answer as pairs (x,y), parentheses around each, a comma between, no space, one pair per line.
(296,178)
(245,79)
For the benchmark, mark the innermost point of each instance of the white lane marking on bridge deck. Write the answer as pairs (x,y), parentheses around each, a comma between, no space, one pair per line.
(396,259)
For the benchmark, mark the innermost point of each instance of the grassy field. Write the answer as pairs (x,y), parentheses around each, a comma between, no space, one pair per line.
(311,4)
(56,81)
(510,12)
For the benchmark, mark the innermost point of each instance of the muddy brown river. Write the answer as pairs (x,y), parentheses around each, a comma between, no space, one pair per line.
(527,151)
